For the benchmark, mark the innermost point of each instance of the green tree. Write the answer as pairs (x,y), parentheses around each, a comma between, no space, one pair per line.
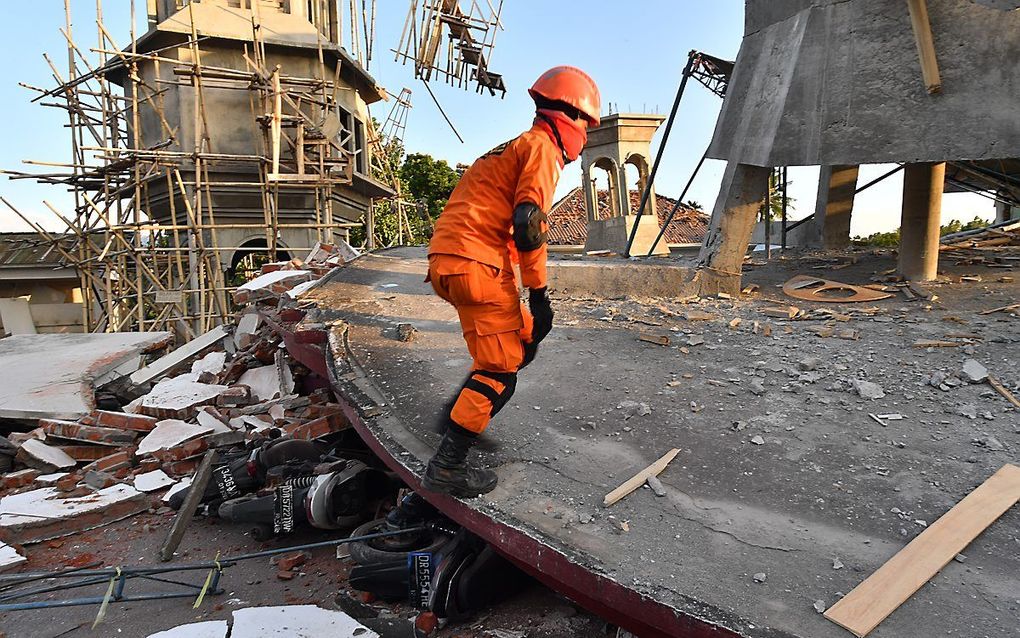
(775,201)
(892,237)
(428,181)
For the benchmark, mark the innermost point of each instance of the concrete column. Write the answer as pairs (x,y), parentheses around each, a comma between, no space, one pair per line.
(923,184)
(741,193)
(834,205)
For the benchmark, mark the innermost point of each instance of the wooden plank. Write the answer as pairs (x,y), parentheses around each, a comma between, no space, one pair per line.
(880,594)
(191,501)
(639,479)
(1001,389)
(925,45)
(1000,309)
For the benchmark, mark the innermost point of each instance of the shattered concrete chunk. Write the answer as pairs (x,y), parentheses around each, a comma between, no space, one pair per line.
(656,486)
(868,389)
(170,433)
(207,629)
(10,557)
(760,577)
(271,284)
(757,387)
(36,454)
(178,398)
(757,439)
(264,382)
(819,606)
(807,364)
(152,481)
(974,372)
(212,362)
(168,362)
(296,620)
(43,514)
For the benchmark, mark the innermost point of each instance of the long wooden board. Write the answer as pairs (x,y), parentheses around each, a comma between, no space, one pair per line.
(639,479)
(880,594)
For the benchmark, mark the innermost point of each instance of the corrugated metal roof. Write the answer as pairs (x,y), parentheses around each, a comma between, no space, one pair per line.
(29,249)
(568,222)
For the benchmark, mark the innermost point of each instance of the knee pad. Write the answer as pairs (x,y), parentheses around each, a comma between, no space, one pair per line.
(498,399)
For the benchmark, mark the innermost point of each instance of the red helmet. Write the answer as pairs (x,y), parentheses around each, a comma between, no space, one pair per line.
(573,86)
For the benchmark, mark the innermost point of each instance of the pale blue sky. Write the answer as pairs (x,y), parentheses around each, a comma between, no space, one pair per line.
(635,51)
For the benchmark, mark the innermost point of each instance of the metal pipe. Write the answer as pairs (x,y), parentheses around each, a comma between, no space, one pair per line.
(692,56)
(677,204)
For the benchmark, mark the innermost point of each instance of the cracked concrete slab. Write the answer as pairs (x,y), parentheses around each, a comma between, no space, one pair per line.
(56,372)
(824,485)
(296,621)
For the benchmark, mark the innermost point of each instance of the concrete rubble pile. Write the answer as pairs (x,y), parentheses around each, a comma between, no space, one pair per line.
(234,389)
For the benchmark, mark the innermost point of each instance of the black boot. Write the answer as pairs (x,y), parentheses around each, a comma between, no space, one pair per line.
(448,473)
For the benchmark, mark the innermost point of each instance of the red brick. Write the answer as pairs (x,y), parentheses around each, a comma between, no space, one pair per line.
(86,433)
(289,562)
(14,480)
(183,451)
(124,421)
(149,465)
(178,469)
(112,462)
(291,315)
(317,427)
(235,396)
(85,453)
(68,483)
(285,575)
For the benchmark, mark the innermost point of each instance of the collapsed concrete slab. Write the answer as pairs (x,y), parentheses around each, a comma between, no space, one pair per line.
(296,621)
(56,372)
(765,492)
(166,363)
(44,514)
(271,284)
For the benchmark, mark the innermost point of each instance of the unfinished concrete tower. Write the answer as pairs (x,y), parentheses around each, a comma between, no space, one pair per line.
(232,132)
(621,139)
(842,83)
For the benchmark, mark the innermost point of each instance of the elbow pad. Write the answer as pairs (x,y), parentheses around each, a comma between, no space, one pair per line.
(528,233)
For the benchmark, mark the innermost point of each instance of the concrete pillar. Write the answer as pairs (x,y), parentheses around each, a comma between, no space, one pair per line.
(923,184)
(741,193)
(834,205)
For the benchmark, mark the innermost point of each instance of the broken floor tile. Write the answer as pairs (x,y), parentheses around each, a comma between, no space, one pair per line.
(213,362)
(296,621)
(170,433)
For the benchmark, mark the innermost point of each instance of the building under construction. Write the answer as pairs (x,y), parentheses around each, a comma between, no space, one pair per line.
(232,132)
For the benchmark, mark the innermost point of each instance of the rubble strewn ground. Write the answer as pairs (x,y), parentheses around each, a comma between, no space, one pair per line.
(96,491)
(816,438)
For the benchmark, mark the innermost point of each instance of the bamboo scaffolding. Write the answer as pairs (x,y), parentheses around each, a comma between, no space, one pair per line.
(168,272)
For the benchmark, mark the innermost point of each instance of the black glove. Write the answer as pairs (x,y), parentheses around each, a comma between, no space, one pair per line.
(541,310)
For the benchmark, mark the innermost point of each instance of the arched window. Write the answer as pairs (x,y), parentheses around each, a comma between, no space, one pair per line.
(605,184)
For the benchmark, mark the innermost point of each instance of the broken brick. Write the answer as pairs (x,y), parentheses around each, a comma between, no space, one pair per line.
(112,462)
(317,427)
(14,480)
(183,451)
(285,575)
(148,465)
(289,562)
(84,453)
(235,396)
(87,433)
(67,483)
(178,469)
(122,420)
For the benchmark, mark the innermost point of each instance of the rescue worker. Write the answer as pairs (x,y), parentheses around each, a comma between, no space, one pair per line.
(496,217)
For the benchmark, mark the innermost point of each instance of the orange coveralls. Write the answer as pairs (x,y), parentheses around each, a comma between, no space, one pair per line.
(471,258)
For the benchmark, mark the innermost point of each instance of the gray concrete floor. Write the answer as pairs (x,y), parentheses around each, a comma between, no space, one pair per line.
(823,501)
